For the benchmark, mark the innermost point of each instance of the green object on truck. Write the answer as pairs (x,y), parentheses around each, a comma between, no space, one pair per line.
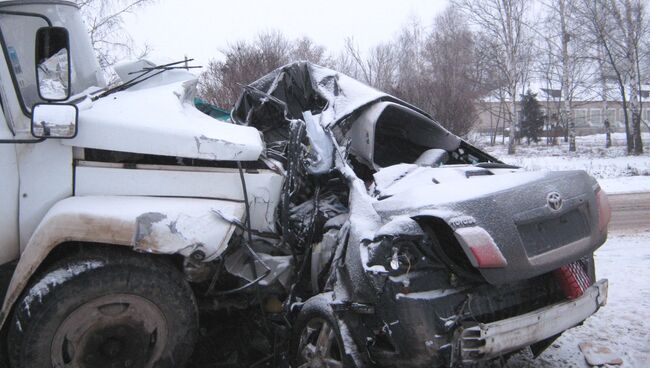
(212,110)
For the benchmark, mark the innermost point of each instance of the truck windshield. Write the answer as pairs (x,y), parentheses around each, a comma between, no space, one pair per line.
(18,34)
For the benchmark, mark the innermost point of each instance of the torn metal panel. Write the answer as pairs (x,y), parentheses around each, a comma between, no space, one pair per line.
(239,264)
(400,225)
(386,122)
(321,155)
(185,234)
(287,92)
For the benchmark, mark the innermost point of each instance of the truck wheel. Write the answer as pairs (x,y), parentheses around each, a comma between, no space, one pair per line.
(105,308)
(317,341)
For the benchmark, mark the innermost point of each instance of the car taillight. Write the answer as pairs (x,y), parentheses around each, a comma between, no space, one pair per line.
(573,279)
(484,251)
(604,210)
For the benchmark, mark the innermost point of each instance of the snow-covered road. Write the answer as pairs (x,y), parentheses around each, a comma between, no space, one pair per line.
(630,211)
(623,325)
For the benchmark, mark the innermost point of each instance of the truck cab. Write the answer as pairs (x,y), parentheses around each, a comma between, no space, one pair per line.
(28,201)
(111,197)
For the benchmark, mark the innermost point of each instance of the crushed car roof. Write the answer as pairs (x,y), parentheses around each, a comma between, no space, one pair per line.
(287,92)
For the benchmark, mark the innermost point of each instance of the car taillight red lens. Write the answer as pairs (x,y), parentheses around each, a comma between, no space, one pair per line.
(573,279)
(604,210)
(484,252)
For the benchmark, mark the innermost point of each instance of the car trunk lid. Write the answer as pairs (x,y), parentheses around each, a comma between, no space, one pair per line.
(538,221)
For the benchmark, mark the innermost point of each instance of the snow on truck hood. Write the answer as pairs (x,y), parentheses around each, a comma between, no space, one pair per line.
(160,119)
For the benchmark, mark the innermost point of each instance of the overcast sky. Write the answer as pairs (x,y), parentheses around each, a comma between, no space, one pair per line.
(200,28)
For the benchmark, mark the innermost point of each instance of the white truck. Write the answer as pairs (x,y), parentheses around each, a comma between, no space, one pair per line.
(106,201)
(355,221)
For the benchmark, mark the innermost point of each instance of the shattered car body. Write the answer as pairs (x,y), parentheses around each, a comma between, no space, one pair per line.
(340,210)
(426,250)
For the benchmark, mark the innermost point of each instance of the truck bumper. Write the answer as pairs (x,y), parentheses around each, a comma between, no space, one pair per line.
(489,340)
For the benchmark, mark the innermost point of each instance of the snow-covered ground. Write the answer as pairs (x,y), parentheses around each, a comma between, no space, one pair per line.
(623,325)
(616,171)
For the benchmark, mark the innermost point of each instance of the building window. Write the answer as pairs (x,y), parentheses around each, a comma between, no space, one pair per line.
(596,117)
(621,116)
(580,117)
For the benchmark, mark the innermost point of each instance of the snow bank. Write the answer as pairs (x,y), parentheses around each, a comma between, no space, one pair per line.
(627,184)
(616,172)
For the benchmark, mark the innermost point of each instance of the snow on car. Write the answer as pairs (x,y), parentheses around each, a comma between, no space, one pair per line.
(419,249)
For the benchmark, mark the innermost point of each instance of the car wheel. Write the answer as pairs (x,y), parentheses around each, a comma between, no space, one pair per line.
(105,309)
(317,341)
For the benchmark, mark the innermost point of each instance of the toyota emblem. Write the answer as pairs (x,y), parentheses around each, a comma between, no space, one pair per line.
(554,200)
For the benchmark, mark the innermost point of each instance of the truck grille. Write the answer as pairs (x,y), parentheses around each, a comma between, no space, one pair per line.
(541,237)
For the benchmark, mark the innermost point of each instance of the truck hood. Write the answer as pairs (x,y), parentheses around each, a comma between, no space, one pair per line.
(159,118)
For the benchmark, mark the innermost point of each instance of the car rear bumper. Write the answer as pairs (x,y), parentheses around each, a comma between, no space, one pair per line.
(489,340)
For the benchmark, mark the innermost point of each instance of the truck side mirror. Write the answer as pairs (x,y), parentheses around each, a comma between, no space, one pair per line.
(54,120)
(53,63)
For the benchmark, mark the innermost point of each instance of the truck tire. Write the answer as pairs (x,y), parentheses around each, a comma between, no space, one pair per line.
(317,340)
(105,308)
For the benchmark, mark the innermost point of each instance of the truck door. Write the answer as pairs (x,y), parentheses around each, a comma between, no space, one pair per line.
(44,169)
(9,245)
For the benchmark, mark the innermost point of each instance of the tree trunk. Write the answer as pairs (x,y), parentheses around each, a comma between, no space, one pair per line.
(513,75)
(513,121)
(604,90)
(566,111)
(626,121)
(632,48)
(637,145)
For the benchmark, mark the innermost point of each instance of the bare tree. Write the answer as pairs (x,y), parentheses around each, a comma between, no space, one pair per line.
(619,27)
(492,81)
(414,79)
(604,92)
(548,72)
(305,49)
(635,24)
(245,61)
(569,63)
(505,22)
(453,73)
(104,20)
(567,60)
(437,71)
(377,69)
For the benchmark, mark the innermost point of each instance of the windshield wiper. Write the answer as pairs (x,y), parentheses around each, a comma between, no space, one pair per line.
(146,73)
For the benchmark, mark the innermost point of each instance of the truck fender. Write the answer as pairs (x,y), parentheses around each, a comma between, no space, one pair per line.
(182,226)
